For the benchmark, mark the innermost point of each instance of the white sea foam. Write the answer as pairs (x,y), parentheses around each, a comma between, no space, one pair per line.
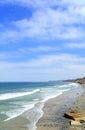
(59,92)
(17,112)
(69,85)
(63,86)
(15,95)
(52,96)
(73,84)
(55,86)
(36,99)
(49,94)
(32,126)
(34,115)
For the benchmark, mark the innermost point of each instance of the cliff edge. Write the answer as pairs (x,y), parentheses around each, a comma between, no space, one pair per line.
(79,80)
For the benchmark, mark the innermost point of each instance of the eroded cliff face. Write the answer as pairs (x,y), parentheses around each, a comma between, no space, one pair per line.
(79,80)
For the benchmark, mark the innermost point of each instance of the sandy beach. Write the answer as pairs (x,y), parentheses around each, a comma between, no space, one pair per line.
(53,113)
(53,116)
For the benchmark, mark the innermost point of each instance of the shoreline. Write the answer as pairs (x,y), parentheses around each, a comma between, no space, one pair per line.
(53,110)
(43,115)
(35,114)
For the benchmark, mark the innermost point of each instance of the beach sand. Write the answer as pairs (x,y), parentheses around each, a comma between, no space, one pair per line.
(53,113)
(79,105)
(18,123)
(53,116)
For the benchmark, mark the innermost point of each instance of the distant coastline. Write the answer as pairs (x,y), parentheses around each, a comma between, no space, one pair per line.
(78,80)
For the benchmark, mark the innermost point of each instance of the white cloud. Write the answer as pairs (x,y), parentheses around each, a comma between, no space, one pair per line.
(39,49)
(76,45)
(57,19)
(44,68)
(33,3)
(24,51)
(9,36)
(74,3)
(48,23)
(44,2)
(3,56)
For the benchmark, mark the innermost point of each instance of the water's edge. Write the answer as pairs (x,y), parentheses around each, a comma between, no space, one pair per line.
(38,109)
(29,118)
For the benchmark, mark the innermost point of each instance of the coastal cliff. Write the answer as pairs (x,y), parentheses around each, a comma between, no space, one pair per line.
(79,80)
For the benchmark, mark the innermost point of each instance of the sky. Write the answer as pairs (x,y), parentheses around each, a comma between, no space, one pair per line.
(42,40)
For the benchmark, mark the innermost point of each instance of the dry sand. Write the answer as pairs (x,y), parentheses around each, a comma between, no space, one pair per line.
(53,113)
(53,117)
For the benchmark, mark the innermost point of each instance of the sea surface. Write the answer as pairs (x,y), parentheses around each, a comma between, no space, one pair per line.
(18,97)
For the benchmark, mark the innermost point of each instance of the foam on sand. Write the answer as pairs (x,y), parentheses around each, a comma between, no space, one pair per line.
(17,112)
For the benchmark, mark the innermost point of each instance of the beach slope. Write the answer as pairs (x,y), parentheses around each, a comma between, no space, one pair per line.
(53,111)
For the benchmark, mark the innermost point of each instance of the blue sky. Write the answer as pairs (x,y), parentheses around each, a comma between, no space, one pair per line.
(42,40)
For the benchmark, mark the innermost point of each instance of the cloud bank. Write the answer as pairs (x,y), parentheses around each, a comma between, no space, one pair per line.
(50,67)
(50,20)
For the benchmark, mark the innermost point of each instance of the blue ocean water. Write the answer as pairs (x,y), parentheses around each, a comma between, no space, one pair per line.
(16,98)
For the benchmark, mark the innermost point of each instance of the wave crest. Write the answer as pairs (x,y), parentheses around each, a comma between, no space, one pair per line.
(15,95)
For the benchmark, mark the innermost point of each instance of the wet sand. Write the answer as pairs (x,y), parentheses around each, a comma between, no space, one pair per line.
(53,113)
(18,123)
(53,117)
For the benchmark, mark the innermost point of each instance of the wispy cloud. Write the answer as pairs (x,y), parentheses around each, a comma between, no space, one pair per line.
(43,2)
(33,3)
(9,36)
(47,66)
(51,20)
(39,49)
(76,45)
(57,20)
(49,60)
(3,56)
(24,53)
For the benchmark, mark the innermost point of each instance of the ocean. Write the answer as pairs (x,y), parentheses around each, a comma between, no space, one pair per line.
(18,97)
